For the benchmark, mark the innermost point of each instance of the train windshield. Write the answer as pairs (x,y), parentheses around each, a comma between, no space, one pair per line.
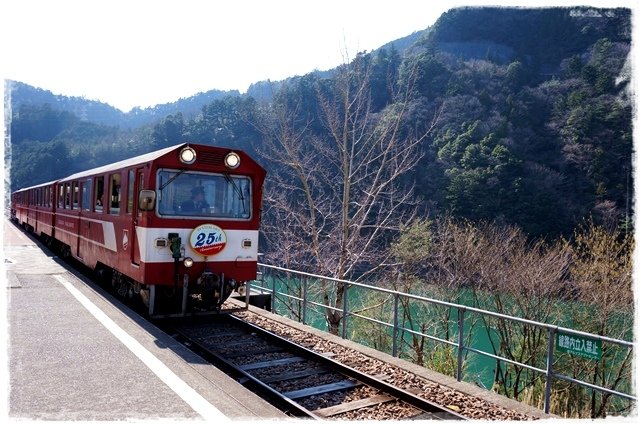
(182,193)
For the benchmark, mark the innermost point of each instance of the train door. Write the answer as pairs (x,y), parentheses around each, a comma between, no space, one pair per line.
(31,207)
(81,227)
(34,225)
(135,183)
(36,207)
(84,206)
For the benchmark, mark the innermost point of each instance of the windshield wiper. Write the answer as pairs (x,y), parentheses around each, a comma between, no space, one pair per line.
(237,190)
(172,178)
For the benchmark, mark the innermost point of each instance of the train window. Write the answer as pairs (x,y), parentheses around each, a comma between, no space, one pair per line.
(99,200)
(67,195)
(76,195)
(140,175)
(114,190)
(204,195)
(86,195)
(61,196)
(131,179)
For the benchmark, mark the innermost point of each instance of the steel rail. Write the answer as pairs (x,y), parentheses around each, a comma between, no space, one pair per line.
(426,406)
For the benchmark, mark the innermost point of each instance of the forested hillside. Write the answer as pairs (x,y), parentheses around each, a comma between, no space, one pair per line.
(523,116)
(25,96)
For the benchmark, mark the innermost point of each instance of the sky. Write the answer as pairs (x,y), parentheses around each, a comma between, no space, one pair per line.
(141,53)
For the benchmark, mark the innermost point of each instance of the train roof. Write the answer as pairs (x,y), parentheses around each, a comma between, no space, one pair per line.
(140,159)
(113,166)
(36,186)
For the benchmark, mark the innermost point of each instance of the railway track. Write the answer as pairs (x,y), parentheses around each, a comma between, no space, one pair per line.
(301,382)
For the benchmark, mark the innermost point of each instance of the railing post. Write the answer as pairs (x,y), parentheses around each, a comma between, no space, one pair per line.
(273,295)
(394,347)
(460,343)
(549,374)
(304,301)
(344,310)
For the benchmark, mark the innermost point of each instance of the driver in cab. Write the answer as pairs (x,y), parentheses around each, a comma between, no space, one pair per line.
(197,203)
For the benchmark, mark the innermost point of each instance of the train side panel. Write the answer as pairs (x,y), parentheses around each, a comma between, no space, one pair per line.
(33,208)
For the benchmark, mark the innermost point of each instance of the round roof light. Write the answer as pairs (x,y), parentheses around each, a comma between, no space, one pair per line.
(232,160)
(187,155)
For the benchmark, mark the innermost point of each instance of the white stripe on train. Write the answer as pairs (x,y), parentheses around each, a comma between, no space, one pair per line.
(233,250)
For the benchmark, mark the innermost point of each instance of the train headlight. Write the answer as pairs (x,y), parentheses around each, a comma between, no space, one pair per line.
(232,160)
(187,155)
(188,262)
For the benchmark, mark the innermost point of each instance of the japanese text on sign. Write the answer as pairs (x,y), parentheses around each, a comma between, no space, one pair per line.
(579,346)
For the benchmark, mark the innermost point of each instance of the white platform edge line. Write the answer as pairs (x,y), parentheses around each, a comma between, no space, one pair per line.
(181,388)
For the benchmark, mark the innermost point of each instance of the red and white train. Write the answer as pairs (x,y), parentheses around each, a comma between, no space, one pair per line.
(178,226)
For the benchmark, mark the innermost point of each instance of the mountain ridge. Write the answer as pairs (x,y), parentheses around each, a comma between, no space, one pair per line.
(468,32)
(103,113)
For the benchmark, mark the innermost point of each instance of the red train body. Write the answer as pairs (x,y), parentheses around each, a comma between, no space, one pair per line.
(178,227)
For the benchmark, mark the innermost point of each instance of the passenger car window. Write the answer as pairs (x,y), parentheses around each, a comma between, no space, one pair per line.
(99,200)
(114,191)
(86,195)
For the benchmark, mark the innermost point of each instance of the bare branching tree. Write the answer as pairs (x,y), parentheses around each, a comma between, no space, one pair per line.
(601,273)
(335,192)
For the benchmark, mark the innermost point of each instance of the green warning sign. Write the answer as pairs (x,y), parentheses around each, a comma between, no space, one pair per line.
(579,346)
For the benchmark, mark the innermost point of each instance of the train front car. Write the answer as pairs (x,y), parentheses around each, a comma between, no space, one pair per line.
(197,229)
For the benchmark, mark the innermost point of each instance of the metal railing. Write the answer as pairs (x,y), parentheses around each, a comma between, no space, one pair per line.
(462,313)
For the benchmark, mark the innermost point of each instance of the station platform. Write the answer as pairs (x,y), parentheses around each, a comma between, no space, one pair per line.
(74,352)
